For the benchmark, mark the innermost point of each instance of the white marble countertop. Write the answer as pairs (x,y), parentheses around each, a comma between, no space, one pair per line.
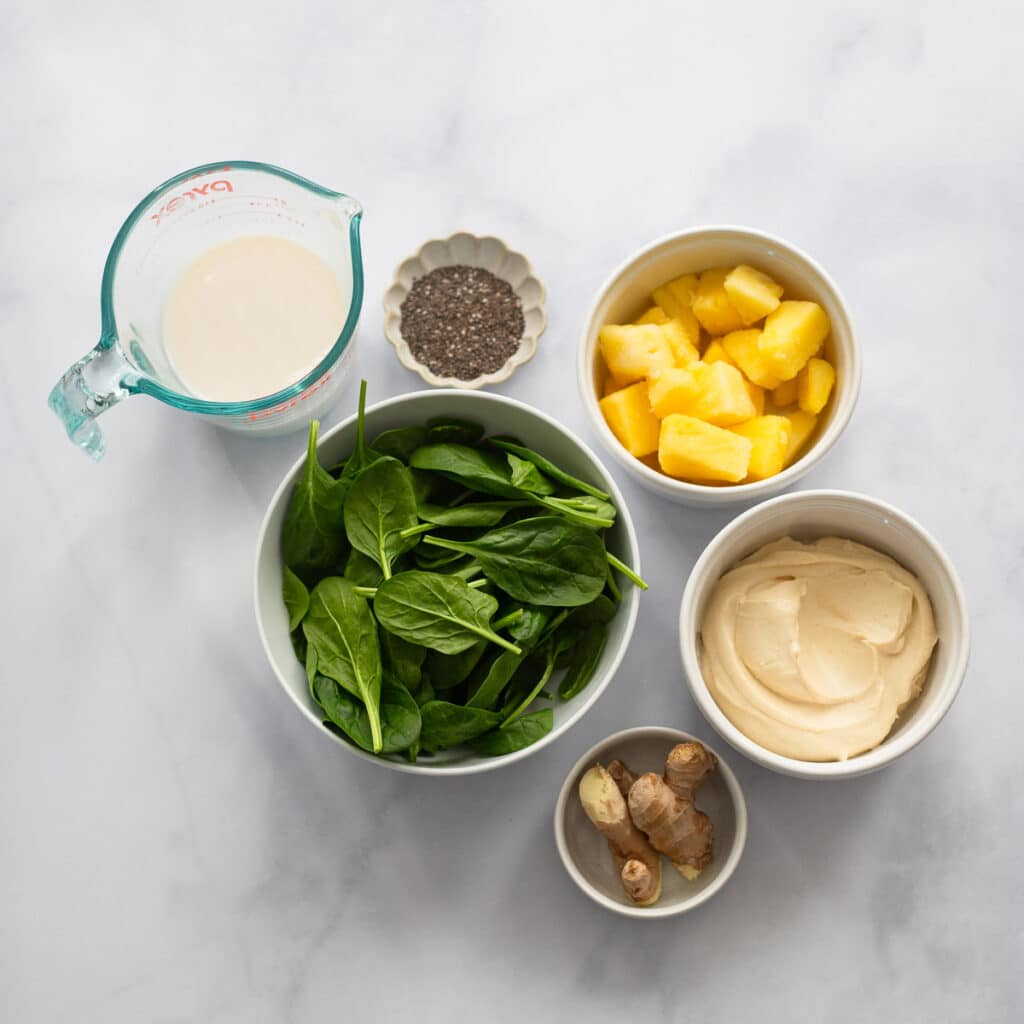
(177,844)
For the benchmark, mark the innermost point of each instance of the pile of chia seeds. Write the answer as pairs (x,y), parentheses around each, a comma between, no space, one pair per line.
(462,321)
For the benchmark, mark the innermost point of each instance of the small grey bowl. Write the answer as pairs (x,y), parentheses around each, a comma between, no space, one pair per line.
(584,851)
(464,249)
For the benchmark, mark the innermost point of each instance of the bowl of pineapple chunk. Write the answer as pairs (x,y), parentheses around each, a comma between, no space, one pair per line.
(719,365)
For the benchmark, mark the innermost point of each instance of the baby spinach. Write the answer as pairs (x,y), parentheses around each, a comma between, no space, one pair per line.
(526,476)
(342,634)
(449,670)
(523,732)
(481,513)
(399,443)
(448,725)
(448,429)
(586,654)
(548,467)
(296,598)
(474,468)
(379,506)
(402,659)
(441,527)
(545,560)
(400,715)
(362,570)
(441,612)
(313,535)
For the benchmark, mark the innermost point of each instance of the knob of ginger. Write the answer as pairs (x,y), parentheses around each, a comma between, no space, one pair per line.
(638,863)
(663,808)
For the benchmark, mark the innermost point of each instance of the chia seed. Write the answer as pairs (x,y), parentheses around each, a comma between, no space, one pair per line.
(462,321)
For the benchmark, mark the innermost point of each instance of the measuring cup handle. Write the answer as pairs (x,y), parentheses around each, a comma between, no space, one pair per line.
(89,387)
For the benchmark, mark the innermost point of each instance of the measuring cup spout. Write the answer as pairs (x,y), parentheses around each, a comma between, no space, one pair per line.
(91,386)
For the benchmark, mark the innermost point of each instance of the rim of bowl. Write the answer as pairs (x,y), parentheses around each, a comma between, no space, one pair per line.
(732,786)
(631,610)
(731,493)
(888,750)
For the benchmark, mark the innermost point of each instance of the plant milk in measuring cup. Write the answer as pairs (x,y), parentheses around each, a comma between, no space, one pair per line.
(233,291)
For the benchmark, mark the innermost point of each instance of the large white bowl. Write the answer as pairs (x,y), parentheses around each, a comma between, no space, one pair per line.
(498,415)
(806,516)
(627,293)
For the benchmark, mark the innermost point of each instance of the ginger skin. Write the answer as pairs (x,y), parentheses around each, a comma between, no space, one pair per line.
(663,808)
(639,864)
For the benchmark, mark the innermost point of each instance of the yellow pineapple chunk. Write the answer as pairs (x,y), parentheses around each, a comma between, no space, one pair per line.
(633,351)
(743,349)
(695,450)
(655,315)
(753,295)
(784,394)
(791,335)
(801,426)
(715,353)
(714,392)
(628,413)
(711,304)
(683,346)
(814,385)
(675,298)
(769,436)
(611,384)
(756,396)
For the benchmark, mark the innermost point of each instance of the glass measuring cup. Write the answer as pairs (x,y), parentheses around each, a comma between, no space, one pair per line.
(177,221)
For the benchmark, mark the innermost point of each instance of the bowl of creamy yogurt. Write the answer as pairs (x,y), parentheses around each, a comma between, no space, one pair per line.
(824,634)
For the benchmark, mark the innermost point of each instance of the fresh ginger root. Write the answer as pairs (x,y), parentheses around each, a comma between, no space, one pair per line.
(605,805)
(623,777)
(663,808)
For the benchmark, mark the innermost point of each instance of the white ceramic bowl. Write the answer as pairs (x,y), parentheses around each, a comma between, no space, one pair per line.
(806,516)
(498,415)
(467,250)
(585,853)
(627,293)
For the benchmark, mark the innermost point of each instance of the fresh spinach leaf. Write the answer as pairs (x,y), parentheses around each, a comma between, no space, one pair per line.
(586,655)
(445,429)
(523,732)
(602,610)
(342,634)
(440,612)
(484,691)
(480,513)
(402,659)
(296,598)
(400,442)
(362,570)
(380,505)
(400,715)
(544,560)
(449,670)
(585,510)
(313,536)
(526,476)
(474,468)
(535,690)
(448,725)
(548,467)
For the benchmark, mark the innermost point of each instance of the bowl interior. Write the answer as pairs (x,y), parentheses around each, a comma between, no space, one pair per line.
(498,415)
(628,294)
(645,750)
(811,515)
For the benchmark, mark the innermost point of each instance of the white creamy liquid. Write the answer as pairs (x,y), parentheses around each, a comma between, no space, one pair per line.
(251,316)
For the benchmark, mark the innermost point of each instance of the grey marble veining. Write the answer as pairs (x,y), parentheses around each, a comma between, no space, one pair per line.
(177,845)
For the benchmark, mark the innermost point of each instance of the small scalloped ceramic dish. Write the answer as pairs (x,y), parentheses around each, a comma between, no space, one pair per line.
(467,250)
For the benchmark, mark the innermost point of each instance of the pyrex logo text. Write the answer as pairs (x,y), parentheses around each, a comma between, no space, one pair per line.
(194,193)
